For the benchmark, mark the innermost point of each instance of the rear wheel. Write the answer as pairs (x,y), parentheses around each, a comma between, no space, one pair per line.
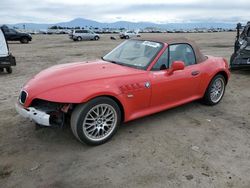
(24,40)
(96,38)
(79,38)
(215,90)
(96,121)
(126,37)
(9,70)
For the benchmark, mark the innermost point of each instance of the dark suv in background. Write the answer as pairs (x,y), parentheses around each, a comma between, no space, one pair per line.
(13,35)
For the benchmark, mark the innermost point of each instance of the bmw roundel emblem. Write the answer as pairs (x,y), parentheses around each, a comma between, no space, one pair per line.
(147,85)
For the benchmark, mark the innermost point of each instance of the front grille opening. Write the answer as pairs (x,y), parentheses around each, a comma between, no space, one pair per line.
(23,96)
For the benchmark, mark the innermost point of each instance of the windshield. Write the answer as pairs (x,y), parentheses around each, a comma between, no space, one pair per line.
(134,53)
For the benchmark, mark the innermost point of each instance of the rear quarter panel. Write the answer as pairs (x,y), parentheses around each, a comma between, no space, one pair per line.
(210,68)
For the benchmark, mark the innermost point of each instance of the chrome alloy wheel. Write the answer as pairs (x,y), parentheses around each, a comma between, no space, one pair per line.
(217,90)
(99,122)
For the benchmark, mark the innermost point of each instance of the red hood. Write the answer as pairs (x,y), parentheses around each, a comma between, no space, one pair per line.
(72,73)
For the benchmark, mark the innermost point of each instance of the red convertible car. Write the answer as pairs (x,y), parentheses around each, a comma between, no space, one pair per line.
(137,78)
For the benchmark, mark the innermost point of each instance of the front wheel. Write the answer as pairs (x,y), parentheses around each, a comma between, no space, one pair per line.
(24,40)
(96,38)
(96,121)
(9,70)
(215,90)
(79,38)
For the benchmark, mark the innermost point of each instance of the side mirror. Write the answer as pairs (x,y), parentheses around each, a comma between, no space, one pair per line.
(176,65)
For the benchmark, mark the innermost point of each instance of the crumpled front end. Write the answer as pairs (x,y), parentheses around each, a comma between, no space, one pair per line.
(42,112)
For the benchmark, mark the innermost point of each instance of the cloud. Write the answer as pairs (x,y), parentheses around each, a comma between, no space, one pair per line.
(48,11)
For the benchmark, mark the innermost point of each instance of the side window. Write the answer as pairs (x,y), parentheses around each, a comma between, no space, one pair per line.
(6,30)
(162,62)
(182,52)
(78,31)
(12,31)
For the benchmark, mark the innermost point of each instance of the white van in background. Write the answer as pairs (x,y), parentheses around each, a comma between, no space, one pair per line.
(83,34)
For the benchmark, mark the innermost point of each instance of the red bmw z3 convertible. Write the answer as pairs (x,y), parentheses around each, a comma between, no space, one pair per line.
(138,78)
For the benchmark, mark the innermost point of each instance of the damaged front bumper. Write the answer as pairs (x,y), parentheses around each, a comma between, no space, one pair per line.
(33,114)
(239,63)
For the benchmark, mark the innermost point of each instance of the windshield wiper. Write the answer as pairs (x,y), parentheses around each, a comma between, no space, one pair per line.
(122,64)
(112,61)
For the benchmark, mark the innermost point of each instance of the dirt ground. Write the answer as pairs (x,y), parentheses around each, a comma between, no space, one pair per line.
(189,146)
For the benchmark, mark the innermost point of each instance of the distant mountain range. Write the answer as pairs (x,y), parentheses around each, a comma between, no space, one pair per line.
(81,22)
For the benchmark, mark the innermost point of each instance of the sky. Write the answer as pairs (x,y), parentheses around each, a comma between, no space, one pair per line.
(157,11)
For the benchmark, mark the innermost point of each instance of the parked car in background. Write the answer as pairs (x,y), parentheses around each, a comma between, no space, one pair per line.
(83,34)
(6,59)
(129,34)
(14,35)
(136,79)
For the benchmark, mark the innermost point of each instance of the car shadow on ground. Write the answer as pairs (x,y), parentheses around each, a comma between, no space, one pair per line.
(4,73)
(64,134)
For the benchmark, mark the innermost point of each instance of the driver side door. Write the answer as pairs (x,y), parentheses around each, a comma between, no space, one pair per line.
(169,90)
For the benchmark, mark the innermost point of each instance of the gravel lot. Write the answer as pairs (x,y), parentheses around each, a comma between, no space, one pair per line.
(189,146)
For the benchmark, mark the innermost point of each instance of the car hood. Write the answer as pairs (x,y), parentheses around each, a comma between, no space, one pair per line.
(75,73)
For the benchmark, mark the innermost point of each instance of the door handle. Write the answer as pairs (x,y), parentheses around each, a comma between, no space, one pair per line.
(195,73)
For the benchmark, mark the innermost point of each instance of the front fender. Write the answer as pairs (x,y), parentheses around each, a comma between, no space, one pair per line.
(76,93)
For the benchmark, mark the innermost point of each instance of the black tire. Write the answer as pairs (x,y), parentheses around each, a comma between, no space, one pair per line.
(126,37)
(79,38)
(24,40)
(207,99)
(80,114)
(96,38)
(1,69)
(9,70)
